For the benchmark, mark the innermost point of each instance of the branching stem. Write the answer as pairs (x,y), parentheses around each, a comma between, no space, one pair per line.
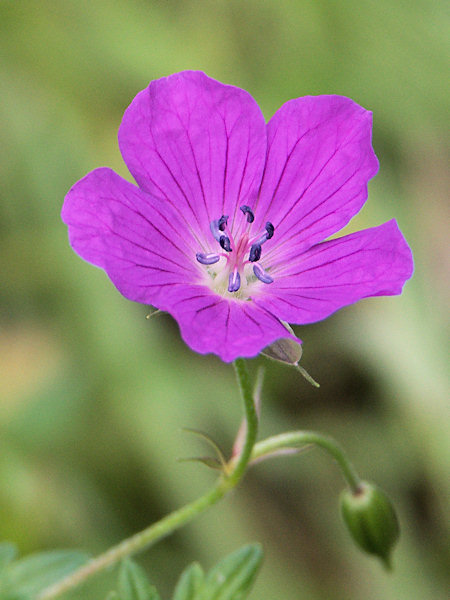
(177,519)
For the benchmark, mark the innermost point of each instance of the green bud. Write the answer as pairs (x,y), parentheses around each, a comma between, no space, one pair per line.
(371,520)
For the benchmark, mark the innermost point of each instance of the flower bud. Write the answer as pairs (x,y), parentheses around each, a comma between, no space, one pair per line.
(371,520)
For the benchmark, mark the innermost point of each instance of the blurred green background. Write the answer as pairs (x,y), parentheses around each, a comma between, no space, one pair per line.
(93,395)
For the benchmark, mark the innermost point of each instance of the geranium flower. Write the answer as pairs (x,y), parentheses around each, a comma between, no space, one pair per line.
(224,229)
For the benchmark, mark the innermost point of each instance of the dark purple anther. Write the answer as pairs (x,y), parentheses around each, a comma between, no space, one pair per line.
(270,230)
(207,259)
(234,281)
(225,243)
(214,226)
(222,223)
(261,274)
(248,213)
(255,253)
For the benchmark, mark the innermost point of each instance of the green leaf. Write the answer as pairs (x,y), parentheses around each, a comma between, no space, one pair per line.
(133,583)
(111,596)
(190,583)
(7,553)
(233,577)
(33,573)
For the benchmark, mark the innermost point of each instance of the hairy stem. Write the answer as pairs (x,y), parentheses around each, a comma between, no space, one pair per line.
(146,538)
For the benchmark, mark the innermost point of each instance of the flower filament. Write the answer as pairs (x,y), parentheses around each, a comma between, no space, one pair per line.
(239,250)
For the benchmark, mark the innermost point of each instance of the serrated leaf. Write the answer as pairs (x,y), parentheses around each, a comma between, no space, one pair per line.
(232,578)
(190,583)
(7,553)
(29,575)
(133,583)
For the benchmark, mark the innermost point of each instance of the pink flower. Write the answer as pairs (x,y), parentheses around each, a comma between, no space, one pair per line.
(224,229)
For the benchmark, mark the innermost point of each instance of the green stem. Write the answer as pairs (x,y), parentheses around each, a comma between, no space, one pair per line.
(146,538)
(295,439)
(251,419)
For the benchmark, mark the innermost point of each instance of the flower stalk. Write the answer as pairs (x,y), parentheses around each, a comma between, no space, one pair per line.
(177,519)
(293,440)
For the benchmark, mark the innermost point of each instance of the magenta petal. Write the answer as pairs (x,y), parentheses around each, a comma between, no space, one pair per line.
(319,161)
(116,226)
(196,143)
(228,328)
(333,274)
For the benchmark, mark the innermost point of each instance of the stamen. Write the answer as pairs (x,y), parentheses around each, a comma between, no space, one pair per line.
(217,226)
(248,213)
(234,281)
(207,259)
(261,274)
(222,223)
(245,248)
(225,243)
(214,226)
(270,230)
(255,253)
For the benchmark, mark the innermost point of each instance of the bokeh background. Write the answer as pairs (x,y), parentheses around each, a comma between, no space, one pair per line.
(93,395)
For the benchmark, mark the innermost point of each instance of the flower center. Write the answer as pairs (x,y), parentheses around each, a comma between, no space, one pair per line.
(239,251)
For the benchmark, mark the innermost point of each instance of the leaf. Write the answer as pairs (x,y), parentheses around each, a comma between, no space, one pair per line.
(133,583)
(7,553)
(232,578)
(111,596)
(33,573)
(190,583)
